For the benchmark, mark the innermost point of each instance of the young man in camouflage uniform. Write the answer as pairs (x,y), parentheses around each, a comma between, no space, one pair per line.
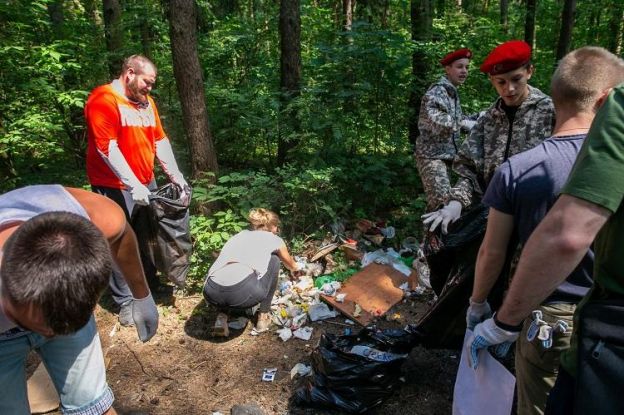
(519,119)
(520,194)
(439,123)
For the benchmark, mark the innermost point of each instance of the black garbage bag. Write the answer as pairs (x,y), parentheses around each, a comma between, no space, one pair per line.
(451,259)
(356,372)
(163,232)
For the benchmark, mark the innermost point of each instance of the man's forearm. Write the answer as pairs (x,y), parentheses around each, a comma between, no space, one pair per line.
(488,268)
(126,253)
(555,248)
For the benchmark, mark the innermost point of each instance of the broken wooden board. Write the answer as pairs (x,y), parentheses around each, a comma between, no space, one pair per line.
(42,394)
(375,288)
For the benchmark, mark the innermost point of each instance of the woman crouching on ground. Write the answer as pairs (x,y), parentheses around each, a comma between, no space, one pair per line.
(244,276)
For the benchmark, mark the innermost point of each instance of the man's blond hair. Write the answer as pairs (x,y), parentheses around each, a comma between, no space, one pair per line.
(583,75)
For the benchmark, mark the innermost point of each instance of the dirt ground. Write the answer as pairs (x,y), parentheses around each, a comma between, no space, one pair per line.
(182,370)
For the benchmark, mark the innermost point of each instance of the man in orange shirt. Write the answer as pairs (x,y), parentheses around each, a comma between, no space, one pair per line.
(124,136)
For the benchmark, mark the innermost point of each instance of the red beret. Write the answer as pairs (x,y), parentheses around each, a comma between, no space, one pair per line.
(453,56)
(507,57)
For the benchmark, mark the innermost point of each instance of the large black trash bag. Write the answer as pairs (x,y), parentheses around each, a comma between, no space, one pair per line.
(163,231)
(451,259)
(354,380)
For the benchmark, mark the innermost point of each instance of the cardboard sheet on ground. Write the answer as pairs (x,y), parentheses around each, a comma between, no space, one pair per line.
(375,289)
(487,390)
(42,395)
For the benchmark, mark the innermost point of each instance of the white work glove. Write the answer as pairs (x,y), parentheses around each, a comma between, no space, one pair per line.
(467,124)
(448,214)
(145,316)
(477,312)
(489,335)
(164,152)
(140,194)
(117,162)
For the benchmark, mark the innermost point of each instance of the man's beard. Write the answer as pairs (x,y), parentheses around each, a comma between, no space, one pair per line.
(135,93)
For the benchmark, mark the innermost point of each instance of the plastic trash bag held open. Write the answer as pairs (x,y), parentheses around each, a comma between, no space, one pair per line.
(163,231)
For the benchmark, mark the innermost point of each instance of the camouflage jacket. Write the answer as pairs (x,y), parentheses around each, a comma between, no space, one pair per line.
(439,122)
(491,142)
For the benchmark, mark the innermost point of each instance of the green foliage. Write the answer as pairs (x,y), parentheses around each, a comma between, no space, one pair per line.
(209,234)
(352,160)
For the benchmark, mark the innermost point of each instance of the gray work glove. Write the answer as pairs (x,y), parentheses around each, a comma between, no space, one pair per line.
(489,335)
(477,312)
(145,316)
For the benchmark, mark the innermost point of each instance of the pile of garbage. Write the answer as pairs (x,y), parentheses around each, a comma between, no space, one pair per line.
(295,304)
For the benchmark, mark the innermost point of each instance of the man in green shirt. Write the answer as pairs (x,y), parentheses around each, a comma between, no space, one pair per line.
(591,207)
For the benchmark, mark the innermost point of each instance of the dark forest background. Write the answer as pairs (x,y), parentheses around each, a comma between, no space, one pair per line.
(305,107)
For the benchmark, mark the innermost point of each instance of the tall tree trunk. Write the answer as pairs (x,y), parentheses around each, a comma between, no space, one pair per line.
(114,36)
(504,14)
(290,76)
(440,6)
(188,75)
(347,12)
(92,10)
(567,24)
(594,21)
(146,37)
(529,23)
(385,14)
(615,27)
(422,25)
(55,11)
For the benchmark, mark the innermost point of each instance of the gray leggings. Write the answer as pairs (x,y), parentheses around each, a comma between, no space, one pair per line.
(247,293)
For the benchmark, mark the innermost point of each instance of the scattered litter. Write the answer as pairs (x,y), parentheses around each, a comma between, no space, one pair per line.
(299,320)
(313,269)
(374,354)
(389,232)
(404,286)
(340,297)
(421,267)
(391,257)
(301,370)
(393,317)
(347,331)
(410,243)
(285,333)
(256,332)
(114,330)
(268,375)
(328,289)
(303,333)
(320,311)
(324,250)
(358,311)
(304,283)
(349,322)
(238,324)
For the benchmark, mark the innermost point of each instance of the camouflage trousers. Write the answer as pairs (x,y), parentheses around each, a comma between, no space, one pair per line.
(435,177)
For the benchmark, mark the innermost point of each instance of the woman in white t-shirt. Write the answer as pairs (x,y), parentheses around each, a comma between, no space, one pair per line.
(245,273)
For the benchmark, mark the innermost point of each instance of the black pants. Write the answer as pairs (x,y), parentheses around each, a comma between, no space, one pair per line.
(247,293)
(119,287)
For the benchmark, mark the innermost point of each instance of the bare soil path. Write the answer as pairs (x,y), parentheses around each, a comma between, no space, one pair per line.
(183,371)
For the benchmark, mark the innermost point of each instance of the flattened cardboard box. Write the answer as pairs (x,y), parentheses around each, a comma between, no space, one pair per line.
(375,289)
